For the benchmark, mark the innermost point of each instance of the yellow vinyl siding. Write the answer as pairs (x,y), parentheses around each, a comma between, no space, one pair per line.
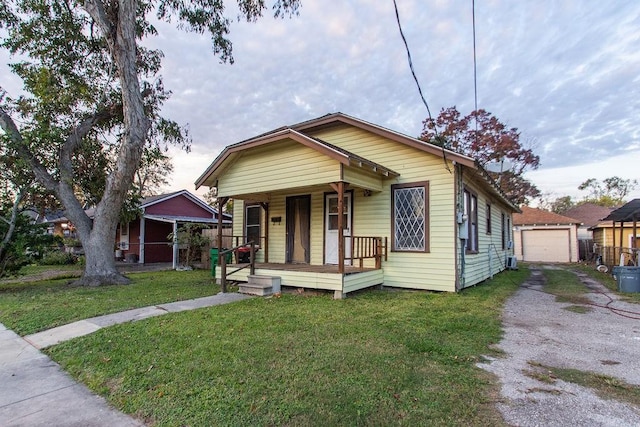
(361,179)
(354,282)
(288,169)
(277,166)
(298,279)
(476,266)
(603,235)
(372,215)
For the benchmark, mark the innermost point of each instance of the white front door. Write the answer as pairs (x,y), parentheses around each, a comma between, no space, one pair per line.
(331,228)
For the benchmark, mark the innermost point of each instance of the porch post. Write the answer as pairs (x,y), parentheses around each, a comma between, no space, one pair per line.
(613,244)
(221,203)
(142,238)
(175,244)
(621,241)
(265,208)
(340,227)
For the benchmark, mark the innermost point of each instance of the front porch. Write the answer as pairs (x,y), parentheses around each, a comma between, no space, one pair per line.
(325,277)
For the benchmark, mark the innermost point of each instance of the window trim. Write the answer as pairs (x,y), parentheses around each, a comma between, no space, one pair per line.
(248,206)
(427,240)
(472,218)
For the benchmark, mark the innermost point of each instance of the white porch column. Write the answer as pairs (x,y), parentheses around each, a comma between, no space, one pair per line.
(142,239)
(175,245)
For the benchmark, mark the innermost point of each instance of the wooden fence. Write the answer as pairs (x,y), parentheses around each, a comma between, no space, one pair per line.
(212,234)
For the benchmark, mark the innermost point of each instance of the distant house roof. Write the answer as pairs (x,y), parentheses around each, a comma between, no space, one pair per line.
(588,213)
(629,212)
(152,200)
(534,216)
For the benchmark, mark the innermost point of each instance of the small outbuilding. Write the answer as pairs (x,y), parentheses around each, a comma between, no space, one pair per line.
(543,236)
(145,239)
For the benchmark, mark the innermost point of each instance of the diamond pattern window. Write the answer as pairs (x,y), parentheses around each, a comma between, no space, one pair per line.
(410,217)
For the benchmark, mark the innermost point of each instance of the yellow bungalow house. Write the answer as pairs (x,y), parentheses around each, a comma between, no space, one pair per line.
(340,204)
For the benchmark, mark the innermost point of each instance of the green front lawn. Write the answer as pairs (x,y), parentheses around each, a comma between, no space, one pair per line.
(375,358)
(30,307)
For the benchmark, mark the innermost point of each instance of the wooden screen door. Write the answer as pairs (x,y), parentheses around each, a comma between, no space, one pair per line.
(331,228)
(298,229)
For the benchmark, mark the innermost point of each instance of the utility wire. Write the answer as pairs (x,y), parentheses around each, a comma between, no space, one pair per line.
(413,73)
(475,63)
(415,78)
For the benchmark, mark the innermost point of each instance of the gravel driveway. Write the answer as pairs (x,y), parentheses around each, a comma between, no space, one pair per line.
(538,329)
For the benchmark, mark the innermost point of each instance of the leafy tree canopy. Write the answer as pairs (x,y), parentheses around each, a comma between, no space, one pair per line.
(92,100)
(609,192)
(482,136)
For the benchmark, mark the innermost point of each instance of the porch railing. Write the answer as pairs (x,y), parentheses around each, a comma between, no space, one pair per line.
(367,247)
(610,255)
(222,259)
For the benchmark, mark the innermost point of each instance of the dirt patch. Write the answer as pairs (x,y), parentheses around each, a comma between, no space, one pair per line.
(540,331)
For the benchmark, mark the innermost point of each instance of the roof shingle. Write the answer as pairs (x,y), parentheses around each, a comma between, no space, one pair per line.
(588,213)
(533,216)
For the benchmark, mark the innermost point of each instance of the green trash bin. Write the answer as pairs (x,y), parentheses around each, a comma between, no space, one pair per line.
(213,255)
(628,278)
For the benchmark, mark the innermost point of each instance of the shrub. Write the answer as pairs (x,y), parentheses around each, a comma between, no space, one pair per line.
(58,258)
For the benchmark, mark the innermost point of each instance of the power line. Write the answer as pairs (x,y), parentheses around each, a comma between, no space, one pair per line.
(475,64)
(415,78)
(413,73)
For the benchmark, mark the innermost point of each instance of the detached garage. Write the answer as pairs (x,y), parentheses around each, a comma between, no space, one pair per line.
(543,236)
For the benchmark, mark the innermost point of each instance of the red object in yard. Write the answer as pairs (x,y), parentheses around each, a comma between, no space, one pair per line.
(243,254)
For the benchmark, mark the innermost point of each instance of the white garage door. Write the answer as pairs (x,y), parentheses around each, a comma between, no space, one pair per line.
(546,245)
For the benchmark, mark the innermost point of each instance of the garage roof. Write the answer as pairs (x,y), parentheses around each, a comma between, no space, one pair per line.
(533,216)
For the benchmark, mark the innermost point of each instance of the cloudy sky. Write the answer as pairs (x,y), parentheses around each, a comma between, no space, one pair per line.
(565,73)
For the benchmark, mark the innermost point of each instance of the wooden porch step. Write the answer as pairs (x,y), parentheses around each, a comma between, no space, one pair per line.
(260,285)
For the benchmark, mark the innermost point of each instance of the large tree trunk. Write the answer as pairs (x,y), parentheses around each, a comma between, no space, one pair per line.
(100,267)
(98,237)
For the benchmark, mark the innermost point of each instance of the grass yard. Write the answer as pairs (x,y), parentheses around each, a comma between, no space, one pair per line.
(566,286)
(31,307)
(375,358)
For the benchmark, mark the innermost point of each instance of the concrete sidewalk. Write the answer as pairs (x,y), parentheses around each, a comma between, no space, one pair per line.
(80,328)
(35,391)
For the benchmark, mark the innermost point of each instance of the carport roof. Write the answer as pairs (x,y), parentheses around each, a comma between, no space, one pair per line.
(627,213)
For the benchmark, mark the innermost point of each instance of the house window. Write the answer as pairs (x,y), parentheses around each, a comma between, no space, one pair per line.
(471,210)
(410,207)
(488,214)
(506,235)
(252,223)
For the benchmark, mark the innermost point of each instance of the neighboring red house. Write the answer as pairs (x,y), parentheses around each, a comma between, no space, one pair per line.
(145,240)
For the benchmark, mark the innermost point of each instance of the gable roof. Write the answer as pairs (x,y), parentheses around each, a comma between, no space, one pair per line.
(341,155)
(534,216)
(152,200)
(300,133)
(588,213)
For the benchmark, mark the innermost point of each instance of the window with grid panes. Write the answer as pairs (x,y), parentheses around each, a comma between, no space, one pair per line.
(252,223)
(410,217)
